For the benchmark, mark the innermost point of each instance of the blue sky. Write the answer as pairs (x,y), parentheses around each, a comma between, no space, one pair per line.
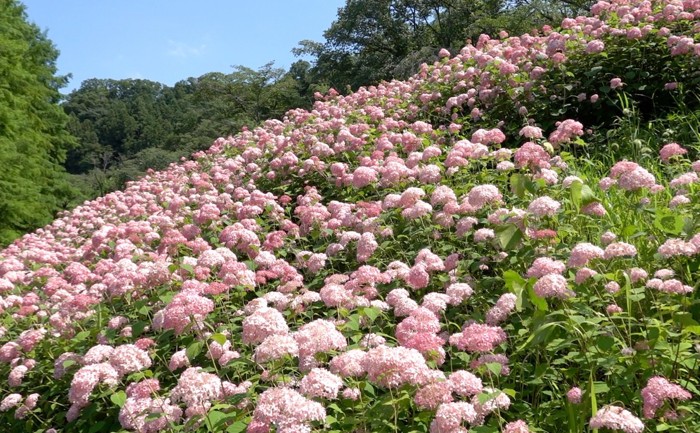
(171,40)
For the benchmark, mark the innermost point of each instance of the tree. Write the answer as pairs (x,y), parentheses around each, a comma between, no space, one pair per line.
(33,134)
(374,40)
(127,126)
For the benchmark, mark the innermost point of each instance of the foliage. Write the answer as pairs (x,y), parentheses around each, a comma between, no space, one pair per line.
(33,137)
(116,121)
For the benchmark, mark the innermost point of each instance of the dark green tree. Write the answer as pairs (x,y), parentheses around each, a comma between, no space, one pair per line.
(125,127)
(33,134)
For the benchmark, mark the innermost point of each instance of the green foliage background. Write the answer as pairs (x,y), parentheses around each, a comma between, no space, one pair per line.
(33,135)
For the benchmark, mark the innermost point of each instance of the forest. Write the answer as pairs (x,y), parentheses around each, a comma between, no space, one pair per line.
(59,150)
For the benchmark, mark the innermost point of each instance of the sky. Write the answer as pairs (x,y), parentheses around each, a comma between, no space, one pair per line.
(172,40)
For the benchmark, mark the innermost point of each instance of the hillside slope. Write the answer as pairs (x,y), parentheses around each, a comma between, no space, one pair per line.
(454,252)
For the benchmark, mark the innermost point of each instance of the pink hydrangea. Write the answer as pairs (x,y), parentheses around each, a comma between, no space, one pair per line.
(321,383)
(262,323)
(482,195)
(584,274)
(14,379)
(616,82)
(530,131)
(553,286)
(143,389)
(465,383)
(12,400)
(531,155)
(545,265)
(459,292)
(128,358)
(178,360)
(363,176)
(197,389)
(574,395)
(616,418)
(619,249)
(483,235)
(518,426)
(670,150)
(418,277)
(318,336)
(178,313)
(348,364)
(544,206)
(582,253)
(497,400)
(351,393)
(612,287)
(677,247)
(658,391)
(476,337)
(148,415)
(450,417)
(276,346)
(613,309)
(392,367)
(565,131)
(637,274)
(287,410)
(500,312)
(433,394)
(87,378)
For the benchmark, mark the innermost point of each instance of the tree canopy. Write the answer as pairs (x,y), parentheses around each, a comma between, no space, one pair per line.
(33,135)
(124,127)
(374,40)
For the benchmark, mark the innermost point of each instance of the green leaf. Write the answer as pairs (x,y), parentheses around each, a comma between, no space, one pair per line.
(484,429)
(118,398)
(509,236)
(372,313)
(353,322)
(517,185)
(494,367)
(695,330)
(216,418)
(193,350)
(600,387)
(685,319)
(81,336)
(138,328)
(669,222)
(605,342)
(237,427)
(575,189)
(97,427)
(336,408)
(537,301)
(513,280)
(587,195)
(186,266)
(219,338)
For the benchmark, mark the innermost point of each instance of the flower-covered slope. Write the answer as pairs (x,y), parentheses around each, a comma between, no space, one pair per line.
(416,256)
